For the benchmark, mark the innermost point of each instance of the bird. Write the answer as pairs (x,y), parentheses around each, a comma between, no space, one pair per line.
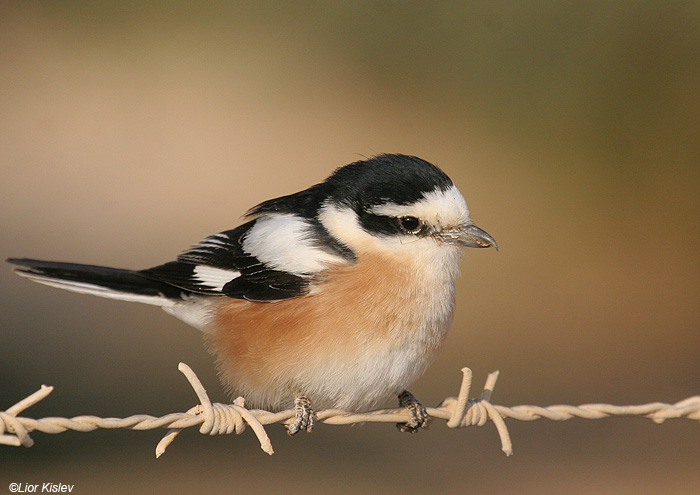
(338,296)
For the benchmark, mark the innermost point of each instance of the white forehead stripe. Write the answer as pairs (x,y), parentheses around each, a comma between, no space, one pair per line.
(214,278)
(446,208)
(285,242)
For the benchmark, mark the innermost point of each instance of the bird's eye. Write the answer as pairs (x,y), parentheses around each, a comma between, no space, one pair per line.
(410,225)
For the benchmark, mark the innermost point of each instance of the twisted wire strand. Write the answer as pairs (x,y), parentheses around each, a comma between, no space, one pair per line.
(224,419)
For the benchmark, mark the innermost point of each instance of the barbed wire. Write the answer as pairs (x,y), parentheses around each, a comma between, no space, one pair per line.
(220,419)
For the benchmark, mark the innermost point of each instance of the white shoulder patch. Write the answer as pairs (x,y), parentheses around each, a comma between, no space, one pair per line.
(285,242)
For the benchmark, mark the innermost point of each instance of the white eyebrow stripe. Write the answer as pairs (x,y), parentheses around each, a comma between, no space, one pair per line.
(286,242)
(214,278)
(445,207)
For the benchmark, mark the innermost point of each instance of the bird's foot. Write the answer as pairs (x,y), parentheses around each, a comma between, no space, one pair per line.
(305,417)
(418,417)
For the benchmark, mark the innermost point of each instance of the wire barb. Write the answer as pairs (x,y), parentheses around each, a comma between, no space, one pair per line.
(224,419)
(218,419)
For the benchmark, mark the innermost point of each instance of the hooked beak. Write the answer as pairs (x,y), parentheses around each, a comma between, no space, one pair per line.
(468,235)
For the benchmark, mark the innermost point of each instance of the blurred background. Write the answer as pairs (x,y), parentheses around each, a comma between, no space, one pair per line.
(130,130)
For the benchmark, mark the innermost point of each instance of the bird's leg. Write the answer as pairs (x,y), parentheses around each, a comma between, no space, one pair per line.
(418,417)
(305,416)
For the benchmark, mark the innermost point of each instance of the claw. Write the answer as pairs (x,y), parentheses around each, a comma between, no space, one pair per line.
(305,417)
(418,417)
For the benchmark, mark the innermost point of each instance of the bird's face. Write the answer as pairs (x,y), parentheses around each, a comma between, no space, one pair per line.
(440,215)
(412,210)
(435,225)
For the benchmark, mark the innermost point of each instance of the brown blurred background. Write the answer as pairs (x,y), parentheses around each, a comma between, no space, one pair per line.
(129,132)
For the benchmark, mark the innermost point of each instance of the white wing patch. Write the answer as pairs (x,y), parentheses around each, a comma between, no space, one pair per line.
(214,278)
(285,242)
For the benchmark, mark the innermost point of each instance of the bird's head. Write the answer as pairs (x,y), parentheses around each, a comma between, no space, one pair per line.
(391,201)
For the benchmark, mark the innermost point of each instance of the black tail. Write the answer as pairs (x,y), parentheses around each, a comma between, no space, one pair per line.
(101,281)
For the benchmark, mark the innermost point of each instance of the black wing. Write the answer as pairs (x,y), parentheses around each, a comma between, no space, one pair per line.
(218,265)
